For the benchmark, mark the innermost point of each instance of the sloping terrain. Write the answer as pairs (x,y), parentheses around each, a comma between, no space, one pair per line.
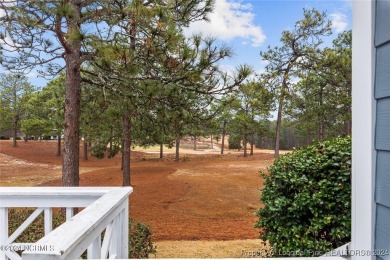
(205,197)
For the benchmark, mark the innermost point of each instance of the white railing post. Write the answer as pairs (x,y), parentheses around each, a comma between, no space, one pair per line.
(124,231)
(107,240)
(104,209)
(113,248)
(3,231)
(69,213)
(93,251)
(48,219)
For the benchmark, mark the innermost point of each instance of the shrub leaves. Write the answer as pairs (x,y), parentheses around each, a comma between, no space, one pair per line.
(307,200)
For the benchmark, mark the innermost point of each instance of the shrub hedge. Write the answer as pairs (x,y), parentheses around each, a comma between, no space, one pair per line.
(307,200)
(140,240)
(235,141)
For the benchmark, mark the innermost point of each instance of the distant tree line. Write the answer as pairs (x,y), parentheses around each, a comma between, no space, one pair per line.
(308,84)
(129,76)
(133,54)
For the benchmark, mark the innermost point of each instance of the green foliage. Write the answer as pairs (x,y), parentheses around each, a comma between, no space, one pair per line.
(297,53)
(235,141)
(115,148)
(140,235)
(14,94)
(3,137)
(249,110)
(35,126)
(35,231)
(321,107)
(98,150)
(140,241)
(307,199)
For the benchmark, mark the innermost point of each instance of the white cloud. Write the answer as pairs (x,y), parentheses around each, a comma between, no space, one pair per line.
(7,39)
(230,19)
(339,22)
(6,3)
(32,74)
(7,44)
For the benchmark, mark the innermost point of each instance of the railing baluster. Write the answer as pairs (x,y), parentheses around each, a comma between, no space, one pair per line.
(48,220)
(119,234)
(124,231)
(69,213)
(113,248)
(107,239)
(104,208)
(13,256)
(94,250)
(3,230)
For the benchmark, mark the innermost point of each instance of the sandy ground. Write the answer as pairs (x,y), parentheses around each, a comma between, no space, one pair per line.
(211,249)
(201,207)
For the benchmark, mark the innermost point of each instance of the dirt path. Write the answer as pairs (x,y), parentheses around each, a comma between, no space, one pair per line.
(248,248)
(19,172)
(208,197)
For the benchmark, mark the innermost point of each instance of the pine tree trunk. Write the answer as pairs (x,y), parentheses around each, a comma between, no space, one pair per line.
(195,143)
(16,119)
(161,150)
(70,159)
(349,111)
(245,146)
(252,142)
(278,128)
(308,138)
(348,123)
(280,107)
(349,127)
(211,142)
(15,133)
(85,150)
(126,148)
(177,158)
(123,154)
(111,133)
(321,131)
(223,136)
(321,116)
(59,145)
(126,120)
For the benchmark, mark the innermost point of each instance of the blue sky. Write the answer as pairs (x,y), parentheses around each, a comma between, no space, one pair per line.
(249,26)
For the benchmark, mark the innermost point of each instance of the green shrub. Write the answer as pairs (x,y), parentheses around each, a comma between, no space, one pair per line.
(234,141)
(98,150)
(35,231)
(307,200)
(140,235)
(3,138)
(140,241)
(115,149)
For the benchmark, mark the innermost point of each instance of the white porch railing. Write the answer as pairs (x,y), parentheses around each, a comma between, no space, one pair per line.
(106,208)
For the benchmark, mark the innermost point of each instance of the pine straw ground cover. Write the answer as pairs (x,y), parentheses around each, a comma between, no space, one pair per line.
(209,199)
